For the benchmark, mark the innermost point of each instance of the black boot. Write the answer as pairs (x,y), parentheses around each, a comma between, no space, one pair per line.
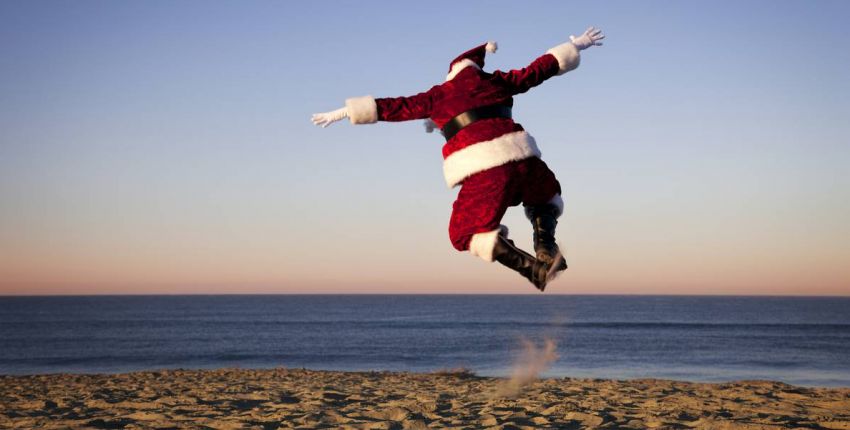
(520,261)
(544,219)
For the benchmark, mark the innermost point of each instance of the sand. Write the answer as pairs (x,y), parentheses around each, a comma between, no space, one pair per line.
(282,398)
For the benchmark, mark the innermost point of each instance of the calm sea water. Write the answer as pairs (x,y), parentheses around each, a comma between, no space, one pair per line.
(803,341)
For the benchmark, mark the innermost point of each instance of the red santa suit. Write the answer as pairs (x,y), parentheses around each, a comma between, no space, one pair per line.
(496,162)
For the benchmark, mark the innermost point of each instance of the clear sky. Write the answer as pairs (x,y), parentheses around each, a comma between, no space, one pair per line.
(166,147)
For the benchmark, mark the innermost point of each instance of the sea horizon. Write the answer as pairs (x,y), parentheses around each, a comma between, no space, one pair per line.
(801,340)
(530,294)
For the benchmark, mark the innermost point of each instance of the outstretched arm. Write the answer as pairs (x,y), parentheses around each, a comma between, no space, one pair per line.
(406,108)
(556,61)
(368,110)
(360,110)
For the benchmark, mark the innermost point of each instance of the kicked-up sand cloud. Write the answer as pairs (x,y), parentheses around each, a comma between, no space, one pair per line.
(531,362)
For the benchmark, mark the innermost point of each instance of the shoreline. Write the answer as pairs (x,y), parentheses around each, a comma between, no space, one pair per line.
(302,398)
(545,375)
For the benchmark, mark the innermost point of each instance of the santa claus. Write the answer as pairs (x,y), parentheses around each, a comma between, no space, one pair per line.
(494,160)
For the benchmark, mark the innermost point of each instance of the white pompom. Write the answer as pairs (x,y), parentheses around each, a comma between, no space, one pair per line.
(491,47)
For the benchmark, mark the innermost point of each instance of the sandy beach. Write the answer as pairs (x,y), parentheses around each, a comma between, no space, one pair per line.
(286,398)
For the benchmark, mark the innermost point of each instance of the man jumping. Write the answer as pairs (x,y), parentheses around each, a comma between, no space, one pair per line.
(496,162)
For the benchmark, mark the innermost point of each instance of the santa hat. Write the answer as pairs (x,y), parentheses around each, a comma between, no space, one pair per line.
(474,57)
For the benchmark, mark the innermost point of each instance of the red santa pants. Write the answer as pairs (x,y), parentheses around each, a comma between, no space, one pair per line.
(485,196)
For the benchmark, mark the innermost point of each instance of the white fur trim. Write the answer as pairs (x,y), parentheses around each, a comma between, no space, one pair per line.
(460,65)
(491,46)
(517,145)
(559,202)
(362,110)
(556,201)
(482,244)
(567,56)
(504,230)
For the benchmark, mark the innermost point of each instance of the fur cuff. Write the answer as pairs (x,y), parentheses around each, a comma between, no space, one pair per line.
(362,110)
(567,56)
(556,201)
(482,244)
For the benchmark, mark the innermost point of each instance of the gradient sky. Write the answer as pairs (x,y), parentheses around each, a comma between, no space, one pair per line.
(166,147)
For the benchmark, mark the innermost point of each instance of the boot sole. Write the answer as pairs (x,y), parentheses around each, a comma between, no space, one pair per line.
(553,269)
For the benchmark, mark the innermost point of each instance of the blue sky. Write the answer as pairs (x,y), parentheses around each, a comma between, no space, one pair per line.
(166,146)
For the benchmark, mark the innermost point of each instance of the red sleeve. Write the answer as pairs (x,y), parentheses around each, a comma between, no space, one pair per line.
(406,108)
(522,80)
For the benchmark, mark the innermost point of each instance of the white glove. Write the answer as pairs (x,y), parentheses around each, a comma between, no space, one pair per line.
(591,37)
(327,118)
(430,126)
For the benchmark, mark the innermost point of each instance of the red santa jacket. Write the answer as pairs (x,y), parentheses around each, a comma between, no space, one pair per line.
(486,143)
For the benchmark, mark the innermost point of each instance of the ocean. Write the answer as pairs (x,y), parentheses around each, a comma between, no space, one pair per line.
(797,340)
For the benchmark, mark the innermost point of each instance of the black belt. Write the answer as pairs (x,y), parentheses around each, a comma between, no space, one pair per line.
(459,122)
